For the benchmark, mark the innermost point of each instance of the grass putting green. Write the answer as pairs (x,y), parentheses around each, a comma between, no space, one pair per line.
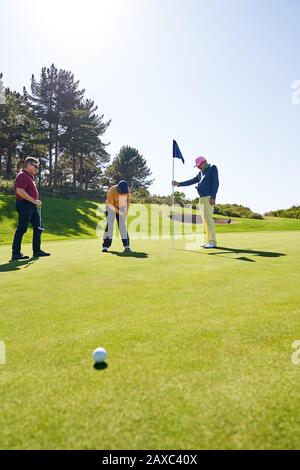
(199,345)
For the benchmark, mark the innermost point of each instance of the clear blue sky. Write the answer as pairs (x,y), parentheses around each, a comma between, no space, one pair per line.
(215,75)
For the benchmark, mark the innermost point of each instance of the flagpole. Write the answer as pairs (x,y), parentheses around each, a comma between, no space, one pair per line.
(176,154)
(173,205)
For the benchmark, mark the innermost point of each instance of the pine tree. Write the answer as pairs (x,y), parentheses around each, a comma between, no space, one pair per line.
(83,143)
(52,98)
(130,166)
(57,125)
(14,126)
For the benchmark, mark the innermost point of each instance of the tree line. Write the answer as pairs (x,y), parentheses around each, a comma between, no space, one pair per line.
(143,196)
(56,123)
(291,213)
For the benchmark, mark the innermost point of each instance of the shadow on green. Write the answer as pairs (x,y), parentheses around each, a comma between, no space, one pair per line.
(70,218)
(100,366)
(62,217)
(16,265)
(265,254)
(225,250)
(131,254)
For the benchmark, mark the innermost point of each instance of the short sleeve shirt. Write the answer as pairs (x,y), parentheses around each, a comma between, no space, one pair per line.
(25,181)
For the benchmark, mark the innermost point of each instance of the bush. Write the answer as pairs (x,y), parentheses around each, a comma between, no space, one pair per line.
(64,192)
(69,192)
(141,196)
(236,210)
(6,186)
(255,215)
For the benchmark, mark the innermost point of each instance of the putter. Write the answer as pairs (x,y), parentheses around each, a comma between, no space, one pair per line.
(41,227)
(41,223)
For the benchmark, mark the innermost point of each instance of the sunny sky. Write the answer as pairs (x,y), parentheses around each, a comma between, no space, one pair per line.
(215,75)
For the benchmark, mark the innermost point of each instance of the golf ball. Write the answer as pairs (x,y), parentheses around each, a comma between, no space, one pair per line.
(99,355)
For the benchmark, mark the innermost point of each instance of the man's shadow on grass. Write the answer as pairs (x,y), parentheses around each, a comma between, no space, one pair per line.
(15,265)
(264,254)
(225,250)
(130,254)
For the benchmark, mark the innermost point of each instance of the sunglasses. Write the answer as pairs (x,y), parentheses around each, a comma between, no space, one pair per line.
(35,166)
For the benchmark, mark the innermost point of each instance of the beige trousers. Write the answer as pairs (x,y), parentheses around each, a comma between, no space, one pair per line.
(206,211)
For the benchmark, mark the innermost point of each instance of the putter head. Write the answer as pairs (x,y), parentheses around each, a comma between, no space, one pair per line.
(42,229)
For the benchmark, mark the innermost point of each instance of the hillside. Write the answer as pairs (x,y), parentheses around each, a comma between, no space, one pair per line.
(291,213)
(66,219)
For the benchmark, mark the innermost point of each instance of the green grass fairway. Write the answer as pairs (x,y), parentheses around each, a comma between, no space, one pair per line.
(70,219)
(199,345)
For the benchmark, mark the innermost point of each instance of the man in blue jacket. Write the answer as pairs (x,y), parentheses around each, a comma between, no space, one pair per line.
(207,182)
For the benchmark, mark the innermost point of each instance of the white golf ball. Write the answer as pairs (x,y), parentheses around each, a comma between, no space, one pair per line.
(99,355)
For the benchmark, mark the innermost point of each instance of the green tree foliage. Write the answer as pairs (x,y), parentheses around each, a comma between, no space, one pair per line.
(179,198)
(292,213)
(52,97)
(130,166)
(58,125)
(236,210)
(17,127)
(82,144)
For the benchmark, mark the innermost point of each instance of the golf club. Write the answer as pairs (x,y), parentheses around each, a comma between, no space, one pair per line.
(41,227)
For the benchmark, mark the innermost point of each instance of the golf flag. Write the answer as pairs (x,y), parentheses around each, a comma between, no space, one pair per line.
(176,151)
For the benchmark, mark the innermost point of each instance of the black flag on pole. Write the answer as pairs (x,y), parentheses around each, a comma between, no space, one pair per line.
(176,151)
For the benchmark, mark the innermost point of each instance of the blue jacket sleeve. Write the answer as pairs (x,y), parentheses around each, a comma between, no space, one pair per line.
(189,182)
(215,182)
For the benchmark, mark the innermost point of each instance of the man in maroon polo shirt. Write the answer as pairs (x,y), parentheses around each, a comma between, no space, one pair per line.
(27,204)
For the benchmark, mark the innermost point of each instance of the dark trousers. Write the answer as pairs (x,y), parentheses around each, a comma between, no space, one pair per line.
(108,235)
(28,213)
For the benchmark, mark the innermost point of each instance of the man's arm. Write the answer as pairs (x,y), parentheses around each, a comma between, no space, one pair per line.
(24,195)
(188,182)
(110,203)
(128,201)
(215,182)
(123,211)
(215,185)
